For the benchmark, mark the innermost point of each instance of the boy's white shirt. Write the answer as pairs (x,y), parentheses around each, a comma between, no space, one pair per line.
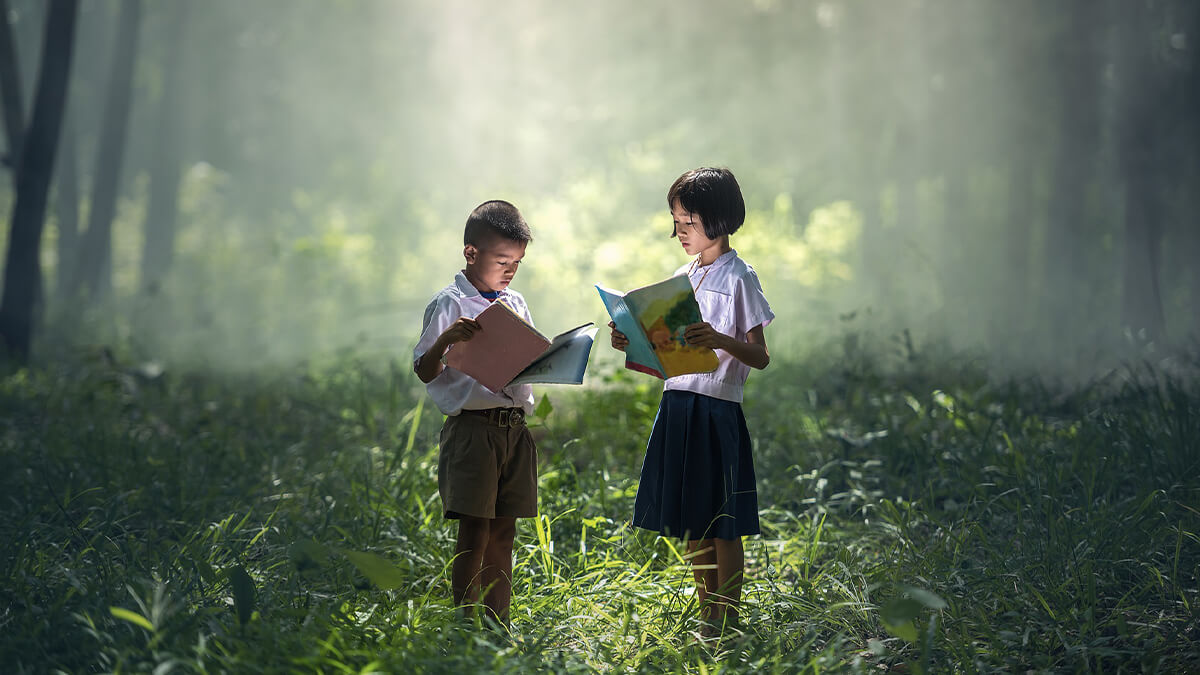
(731,300)
(452,390)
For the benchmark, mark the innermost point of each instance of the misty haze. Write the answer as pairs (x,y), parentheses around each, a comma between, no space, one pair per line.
(975,221)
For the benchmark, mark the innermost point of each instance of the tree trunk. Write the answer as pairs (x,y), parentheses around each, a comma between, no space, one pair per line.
(10,90)
(1142,311)
(1140,89)
(22,273)
(1066,271)
(1190,186)
(1018,250)
(67,205)
(162,213)
(95,262)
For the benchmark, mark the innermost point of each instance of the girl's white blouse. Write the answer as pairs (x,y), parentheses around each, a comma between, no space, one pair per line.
(731,300)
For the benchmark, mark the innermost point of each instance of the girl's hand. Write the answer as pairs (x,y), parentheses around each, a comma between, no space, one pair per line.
(619,341)
(704,335)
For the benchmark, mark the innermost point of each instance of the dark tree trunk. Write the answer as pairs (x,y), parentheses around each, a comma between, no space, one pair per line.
(95,262)
(10,90)
(1191,184)
(67,205)
(1192,241)
(162,213)
(22,273)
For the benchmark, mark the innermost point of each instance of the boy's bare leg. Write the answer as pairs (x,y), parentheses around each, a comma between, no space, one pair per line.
(496,576)
(731,561)
(468,559)
(704,570)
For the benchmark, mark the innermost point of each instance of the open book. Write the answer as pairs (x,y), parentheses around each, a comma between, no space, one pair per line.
(653,318)
(510,351)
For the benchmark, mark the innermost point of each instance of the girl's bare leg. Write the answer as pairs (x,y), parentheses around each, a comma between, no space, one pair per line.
(704,570)
(731,562)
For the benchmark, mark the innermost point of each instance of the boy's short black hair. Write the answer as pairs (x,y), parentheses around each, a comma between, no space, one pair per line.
(495,218)
(714,195)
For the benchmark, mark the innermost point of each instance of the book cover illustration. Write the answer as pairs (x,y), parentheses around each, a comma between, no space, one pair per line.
(507,347)
(654,318)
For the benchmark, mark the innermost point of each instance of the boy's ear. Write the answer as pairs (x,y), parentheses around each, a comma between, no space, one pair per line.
(469,252)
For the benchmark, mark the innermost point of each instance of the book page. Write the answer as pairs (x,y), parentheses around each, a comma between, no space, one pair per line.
(564,362)
(639,354)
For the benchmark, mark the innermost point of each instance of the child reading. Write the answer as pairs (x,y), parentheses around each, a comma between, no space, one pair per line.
(487,463)
(697,478)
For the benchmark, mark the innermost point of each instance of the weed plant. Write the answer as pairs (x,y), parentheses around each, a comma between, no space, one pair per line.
(927,519)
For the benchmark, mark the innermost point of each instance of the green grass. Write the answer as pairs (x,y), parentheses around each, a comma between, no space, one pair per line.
(929,520)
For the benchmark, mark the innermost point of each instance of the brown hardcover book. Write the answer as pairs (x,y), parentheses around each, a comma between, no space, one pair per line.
(506,347)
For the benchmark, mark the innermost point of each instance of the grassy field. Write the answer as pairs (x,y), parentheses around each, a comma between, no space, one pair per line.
(929,520)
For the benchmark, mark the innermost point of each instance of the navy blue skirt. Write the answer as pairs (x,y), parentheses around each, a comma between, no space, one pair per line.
(698,475)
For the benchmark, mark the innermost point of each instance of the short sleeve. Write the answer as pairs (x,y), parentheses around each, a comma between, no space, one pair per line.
(441,312)
(751,304)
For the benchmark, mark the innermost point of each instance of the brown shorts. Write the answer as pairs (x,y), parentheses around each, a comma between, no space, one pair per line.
(487,465)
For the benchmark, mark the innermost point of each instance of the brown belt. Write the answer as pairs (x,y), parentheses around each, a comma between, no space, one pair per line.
(501,417)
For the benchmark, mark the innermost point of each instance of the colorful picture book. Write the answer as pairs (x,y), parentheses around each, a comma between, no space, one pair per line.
(510,351)
(654,318)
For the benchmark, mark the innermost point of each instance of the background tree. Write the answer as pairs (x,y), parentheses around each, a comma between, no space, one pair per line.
(162,210)
(94,269)
(10,90)
(957,168)
(1142,84)
(22,271)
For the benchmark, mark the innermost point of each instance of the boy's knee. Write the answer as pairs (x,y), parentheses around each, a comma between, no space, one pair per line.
(502,529)
(474,530)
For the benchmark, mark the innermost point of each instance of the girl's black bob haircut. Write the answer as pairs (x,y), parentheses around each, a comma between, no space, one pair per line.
(714,195)
(495,218)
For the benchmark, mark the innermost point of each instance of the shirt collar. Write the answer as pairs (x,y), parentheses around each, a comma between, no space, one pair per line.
(468,289)
(721,260)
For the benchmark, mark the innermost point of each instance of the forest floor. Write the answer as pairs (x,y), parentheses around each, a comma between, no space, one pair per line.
(931,519)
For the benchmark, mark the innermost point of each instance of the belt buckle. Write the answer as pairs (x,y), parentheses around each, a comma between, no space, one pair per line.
(516,417)
(502,418)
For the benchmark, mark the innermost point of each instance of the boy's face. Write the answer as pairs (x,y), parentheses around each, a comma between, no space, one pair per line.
(689,229)
(492,265)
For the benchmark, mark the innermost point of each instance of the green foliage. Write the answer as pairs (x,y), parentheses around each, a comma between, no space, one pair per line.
(923,518)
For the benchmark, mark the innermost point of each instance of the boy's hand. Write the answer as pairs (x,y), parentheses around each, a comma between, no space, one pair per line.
(429,365)
(704,335)
(460,331)
(619,341)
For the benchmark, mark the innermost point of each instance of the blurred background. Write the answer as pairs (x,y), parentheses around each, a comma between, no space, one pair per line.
(230,183)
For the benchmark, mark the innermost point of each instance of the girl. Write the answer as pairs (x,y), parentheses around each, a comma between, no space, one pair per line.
(698,476)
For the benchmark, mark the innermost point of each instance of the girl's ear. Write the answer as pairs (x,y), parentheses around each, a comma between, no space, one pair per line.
(469,252)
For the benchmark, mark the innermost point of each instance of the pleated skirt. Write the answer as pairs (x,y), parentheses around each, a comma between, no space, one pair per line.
(698,476)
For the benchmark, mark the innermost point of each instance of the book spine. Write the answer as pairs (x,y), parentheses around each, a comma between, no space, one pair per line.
(633,365)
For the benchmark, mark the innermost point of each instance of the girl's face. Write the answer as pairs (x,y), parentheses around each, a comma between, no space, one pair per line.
(492,267)
(689,229)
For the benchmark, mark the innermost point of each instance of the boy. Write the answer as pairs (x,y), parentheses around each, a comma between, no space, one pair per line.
(487,464)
